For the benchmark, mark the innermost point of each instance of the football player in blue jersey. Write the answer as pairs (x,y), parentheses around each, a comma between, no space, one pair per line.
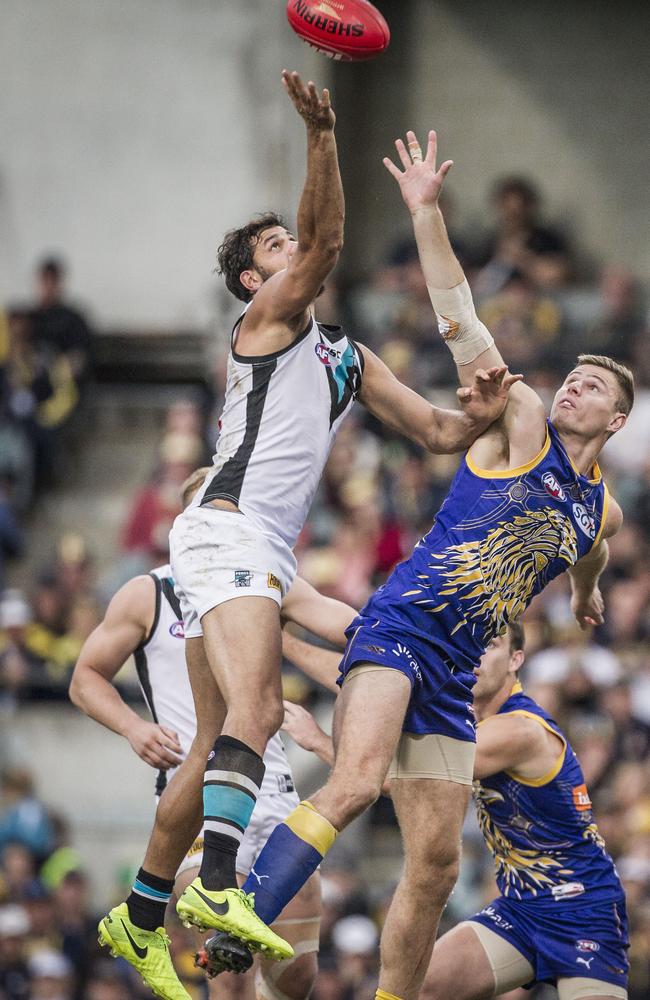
(528,503)
(560,916)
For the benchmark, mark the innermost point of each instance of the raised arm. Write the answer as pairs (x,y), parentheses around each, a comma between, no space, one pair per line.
(286,297)
(439,431)
(126,624)
(469,341)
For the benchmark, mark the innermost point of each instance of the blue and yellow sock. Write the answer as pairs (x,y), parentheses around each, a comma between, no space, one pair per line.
(148,900)
(292,853)
(233,776)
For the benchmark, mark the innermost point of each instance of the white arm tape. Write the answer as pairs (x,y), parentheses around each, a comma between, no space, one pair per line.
(460,327)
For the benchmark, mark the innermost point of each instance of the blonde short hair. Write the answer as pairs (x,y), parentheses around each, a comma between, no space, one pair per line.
(624,377)
(193,482)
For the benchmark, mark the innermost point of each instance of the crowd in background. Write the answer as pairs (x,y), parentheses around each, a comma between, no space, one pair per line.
(544,302)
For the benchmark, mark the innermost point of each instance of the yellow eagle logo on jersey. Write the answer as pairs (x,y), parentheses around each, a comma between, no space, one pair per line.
(496,575)
(530,869)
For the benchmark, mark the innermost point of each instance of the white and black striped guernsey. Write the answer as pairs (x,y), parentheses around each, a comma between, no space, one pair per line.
(162,673)
(280,417)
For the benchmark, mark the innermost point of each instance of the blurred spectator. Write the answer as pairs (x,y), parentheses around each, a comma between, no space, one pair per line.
(12,539)
(154,508)
(38,394)
(51,976)
(355,939)
(521,242)
(15,975)
(57,325)
(19,664)
(526,325)
(23,819)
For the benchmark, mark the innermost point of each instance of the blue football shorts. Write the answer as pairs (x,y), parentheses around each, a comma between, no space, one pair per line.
(441,694)
(574,938)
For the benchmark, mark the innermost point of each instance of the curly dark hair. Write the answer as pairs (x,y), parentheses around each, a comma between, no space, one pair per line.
(236,252)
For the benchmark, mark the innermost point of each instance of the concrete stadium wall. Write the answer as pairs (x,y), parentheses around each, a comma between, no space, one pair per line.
(132,134)
(558,91)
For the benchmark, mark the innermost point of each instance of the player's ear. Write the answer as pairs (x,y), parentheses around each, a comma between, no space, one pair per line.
(618,420)
(517,660)
(251,281)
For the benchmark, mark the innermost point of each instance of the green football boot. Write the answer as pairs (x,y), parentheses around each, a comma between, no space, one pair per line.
(232,911)
(146,951)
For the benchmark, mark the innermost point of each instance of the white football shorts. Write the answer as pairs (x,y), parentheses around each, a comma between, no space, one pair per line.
(217,555)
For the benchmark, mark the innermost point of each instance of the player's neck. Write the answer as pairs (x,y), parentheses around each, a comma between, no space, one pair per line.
(485,708)
(583,454)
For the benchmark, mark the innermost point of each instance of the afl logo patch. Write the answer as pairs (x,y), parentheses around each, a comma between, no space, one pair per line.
(327,355)
(587,945)
(177,630)
(586,522)
(552,486)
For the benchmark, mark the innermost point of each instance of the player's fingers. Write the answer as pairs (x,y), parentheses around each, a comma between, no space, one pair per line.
(403,155)
(325,99)
(480,375)
(432,146)
(510,380)
(174,741)
(312,92)
(415,150)
(167,758)
(464,393)
(445,168)
(391,168)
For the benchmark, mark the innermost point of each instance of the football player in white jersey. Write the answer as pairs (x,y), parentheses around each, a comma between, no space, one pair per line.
(290,383)
(144,620)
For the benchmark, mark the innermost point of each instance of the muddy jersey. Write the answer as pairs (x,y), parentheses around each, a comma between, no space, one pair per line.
(542,832)
(279,421)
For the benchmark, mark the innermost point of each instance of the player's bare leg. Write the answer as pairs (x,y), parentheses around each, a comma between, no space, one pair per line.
(180,813)
(242,640)
(134,929)
(243,643)
(368,721)
(430,814)
(367,725)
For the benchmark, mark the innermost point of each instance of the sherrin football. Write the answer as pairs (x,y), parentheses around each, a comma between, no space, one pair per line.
(341,29)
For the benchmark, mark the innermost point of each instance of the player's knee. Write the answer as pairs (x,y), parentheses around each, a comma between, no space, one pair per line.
(264,714)
(433,870)
(354,797)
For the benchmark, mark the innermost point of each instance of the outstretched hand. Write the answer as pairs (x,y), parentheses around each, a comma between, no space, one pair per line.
(486,397)
(420,182)
(316,111)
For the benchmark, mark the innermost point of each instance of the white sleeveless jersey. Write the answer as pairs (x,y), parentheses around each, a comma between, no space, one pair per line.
(280,417)
(162,672)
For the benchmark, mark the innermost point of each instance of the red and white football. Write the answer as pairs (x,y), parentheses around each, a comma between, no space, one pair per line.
(341,29)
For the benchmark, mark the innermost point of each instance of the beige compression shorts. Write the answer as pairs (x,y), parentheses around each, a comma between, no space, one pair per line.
(511,970)
(428,755)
